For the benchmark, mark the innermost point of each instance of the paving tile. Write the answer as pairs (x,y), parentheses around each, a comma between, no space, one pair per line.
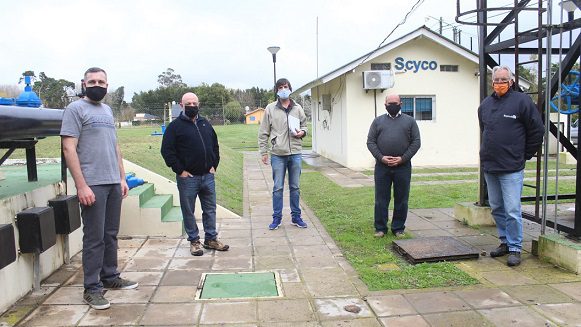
(547,275)
(235,251)
(143,278)
(56,315)
(390,305)
(155,252)
(276,250)
(235,233)
(195,263)
(317,261)
(142,294)
(61,275)
(270,241)
(285,310)
(419,225)
(168,243)
(147,264)
(120,314)
(457,319)
(333,309)
(134,242)
(564,314)
(181,278)
(515,316)
(15,314)
(290,324)
(536,294)
(487,298)
(507,277)
(294,290)
(429,232)
(405,321)
(238,264)
(311,251)
(171,314)
(66,295)
(571,289)
(328,282)
(479,240)
(363,322)
(168,294)
(76,279)
(436,302)
(483,264)
(238,312)
(37,297)
(272,262)
(288,275)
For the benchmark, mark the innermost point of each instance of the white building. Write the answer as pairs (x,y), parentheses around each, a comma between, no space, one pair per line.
(438,82)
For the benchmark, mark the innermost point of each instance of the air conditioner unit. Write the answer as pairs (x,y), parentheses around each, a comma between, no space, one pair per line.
(378,79)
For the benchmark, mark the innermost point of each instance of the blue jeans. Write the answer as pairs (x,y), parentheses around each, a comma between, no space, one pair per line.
(202,186)
(400,177)
(504,193)
(100,228)
(280,164)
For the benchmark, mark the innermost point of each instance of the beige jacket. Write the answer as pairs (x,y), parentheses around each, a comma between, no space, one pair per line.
(274,128)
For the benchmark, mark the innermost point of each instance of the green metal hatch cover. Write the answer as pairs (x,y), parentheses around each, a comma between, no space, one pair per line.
(239,285)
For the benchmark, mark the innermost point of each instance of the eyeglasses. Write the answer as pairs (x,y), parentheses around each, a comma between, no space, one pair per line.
(500,80)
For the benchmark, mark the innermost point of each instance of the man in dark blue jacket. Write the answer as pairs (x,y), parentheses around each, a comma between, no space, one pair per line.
(512,131)
(190,148)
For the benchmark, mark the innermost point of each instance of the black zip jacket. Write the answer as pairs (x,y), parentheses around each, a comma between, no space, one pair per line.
(512,131)
(190,147)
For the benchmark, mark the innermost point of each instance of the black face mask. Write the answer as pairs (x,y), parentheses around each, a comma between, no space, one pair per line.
(96,93)
(191,111)
(393,108)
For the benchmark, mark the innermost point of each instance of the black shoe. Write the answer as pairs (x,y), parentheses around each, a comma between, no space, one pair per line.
(500,251)
(513,259)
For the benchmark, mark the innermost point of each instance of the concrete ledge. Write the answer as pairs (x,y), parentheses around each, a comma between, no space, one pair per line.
(560,251)
(567,158)
(473,215)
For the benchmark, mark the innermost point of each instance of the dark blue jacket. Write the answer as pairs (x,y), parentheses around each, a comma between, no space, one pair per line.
(512,131)
(190,147)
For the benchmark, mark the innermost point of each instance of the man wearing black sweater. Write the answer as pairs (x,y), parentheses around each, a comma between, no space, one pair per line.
(190,148)
(393,139)
(512,132)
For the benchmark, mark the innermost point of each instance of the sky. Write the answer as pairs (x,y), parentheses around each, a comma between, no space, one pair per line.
(223,41)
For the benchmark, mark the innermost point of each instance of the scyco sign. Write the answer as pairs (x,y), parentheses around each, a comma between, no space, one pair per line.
(415,65)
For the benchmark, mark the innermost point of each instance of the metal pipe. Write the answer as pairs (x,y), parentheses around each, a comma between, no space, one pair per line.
(20,123)
(547,117)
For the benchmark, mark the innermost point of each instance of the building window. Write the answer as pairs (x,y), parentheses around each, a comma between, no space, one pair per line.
(448,68)
(381,66)
(419,107)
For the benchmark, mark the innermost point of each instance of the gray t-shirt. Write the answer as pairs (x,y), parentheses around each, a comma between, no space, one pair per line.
(94,126)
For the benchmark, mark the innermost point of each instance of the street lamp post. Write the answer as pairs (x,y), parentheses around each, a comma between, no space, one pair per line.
(274,50)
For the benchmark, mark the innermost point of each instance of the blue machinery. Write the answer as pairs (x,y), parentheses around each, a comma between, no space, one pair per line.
(569,96)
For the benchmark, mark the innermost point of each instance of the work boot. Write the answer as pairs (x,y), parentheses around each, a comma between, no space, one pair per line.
(500,251)
(196,248)
(513,259)
(215,245)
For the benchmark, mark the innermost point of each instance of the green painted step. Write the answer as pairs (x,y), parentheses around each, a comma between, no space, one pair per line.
(145,192)
(164,202)
(174,214)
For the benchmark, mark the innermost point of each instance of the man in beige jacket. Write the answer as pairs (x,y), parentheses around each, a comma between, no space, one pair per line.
(285,124)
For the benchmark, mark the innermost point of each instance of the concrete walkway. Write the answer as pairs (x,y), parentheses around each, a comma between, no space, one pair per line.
(317,282)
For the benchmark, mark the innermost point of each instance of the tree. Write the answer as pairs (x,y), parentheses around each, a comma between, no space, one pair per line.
(115,100)
(52,92)
(170,79)
(9,91)
(233,111)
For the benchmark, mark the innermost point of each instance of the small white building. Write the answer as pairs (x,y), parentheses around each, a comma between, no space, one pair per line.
(438,82)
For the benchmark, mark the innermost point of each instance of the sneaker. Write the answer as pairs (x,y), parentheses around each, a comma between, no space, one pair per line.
(299,222)
(513,259)
(400,234)
(275,223)
(196,248)
(215,245)
(500,251)
(96,300)
(379,234)
(120,284)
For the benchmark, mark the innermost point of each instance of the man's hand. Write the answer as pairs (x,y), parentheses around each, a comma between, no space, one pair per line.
(124,188)
(299,133)
(185,174)
(394,161)
(212,171)
(86,195)
(265,159)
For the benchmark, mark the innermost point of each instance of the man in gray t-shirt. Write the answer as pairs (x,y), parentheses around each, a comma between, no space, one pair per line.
(93,157)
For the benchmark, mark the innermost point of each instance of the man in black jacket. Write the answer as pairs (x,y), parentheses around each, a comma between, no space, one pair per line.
(512,131)
(190,148)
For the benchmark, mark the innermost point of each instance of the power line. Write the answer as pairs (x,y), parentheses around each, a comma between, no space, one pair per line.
(414,7)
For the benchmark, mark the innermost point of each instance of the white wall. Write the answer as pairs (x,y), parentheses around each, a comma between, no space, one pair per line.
(450,139)
(17,279)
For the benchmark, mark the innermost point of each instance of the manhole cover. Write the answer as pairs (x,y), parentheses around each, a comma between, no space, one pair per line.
(239,285)
(433,249)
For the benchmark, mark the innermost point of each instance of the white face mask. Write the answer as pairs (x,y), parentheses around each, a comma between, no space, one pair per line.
(283,93)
